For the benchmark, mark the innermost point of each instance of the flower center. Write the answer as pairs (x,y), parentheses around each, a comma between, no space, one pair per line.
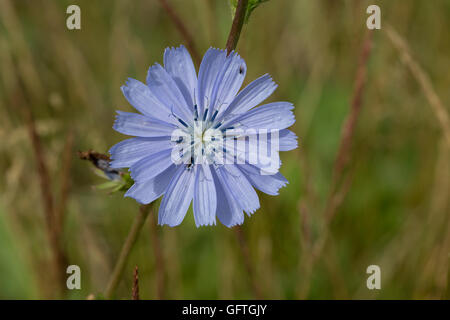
(205,141)
(202,142)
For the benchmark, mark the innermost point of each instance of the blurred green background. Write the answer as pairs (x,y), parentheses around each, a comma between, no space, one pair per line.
(396,212)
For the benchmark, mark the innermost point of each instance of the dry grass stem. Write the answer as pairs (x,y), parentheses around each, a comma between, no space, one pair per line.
(423,79)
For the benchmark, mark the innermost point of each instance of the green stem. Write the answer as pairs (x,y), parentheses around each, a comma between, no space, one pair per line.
(126,249)
(237,25)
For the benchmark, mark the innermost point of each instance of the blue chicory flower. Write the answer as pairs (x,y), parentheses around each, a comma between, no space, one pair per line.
(186,145)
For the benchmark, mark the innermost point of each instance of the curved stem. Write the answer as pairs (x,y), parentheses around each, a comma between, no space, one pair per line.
(236,27)
(139,221)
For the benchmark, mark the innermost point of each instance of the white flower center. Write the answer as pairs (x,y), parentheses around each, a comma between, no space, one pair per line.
(203,142)
(206,142)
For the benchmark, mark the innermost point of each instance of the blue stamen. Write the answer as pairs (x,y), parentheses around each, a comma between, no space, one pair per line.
(214,115)
(182,122)
(195,112)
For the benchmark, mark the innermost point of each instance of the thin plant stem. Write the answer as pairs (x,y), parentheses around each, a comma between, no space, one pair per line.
(135,289)
(182,29)
(424,81)
(348,129)
(53,231)
(138,222)
(236,27)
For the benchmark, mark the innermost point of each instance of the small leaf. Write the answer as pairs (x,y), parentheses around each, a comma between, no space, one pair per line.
(252,5)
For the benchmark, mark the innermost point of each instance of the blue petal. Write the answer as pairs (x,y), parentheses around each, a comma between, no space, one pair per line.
(177,197)
(277,115)
(142,99)
(288,140)
(210,67)
(165,89)
(240,188)
(179,65)
(128,152)
(150,190)
(267,162)
(228,210)
(252,95)
(205,197)
(135,124)
(150,166)
(269,184)
(228,82)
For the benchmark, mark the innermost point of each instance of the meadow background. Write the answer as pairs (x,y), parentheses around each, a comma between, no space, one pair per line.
(393,213)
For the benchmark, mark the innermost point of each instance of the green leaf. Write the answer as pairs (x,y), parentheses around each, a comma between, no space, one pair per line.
(252,5)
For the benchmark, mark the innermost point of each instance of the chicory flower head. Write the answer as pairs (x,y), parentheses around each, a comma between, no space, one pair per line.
(198,139)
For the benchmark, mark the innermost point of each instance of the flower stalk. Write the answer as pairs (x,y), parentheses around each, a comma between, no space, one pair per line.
(236,27)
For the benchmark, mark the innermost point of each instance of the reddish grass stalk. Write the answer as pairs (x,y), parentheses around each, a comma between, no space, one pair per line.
(53,231)
(182,29)
(339,178)
(348,129)
(135,289)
